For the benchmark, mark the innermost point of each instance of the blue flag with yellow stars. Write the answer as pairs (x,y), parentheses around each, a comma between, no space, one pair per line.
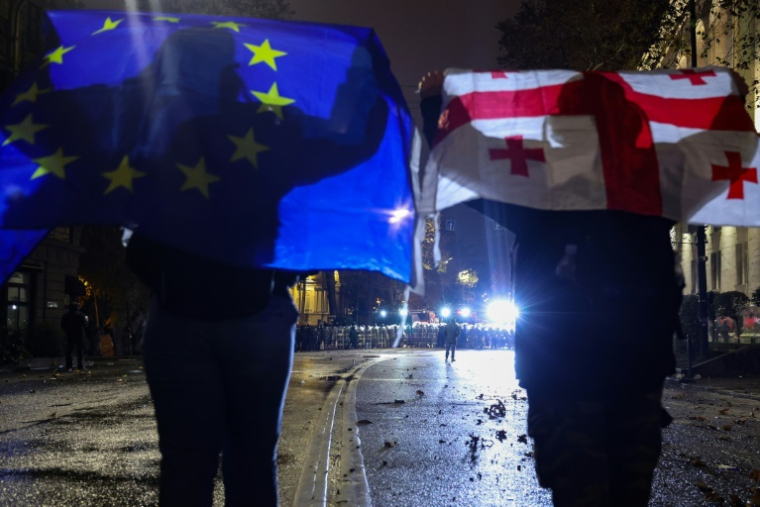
(252,142)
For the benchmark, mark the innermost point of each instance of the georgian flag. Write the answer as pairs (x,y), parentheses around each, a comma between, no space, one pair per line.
(672,143)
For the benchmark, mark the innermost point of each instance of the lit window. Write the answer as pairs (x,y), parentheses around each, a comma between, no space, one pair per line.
(17,300)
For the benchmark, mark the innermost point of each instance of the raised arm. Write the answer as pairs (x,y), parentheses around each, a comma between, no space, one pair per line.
(431,88)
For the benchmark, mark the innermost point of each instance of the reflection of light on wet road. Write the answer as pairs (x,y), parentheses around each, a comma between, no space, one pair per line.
(463,439)
(492,369)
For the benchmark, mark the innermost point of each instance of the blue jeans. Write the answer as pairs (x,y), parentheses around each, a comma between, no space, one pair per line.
(219,387)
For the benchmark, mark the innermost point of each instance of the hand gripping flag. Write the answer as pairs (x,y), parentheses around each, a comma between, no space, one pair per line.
(257,143)
(672,143)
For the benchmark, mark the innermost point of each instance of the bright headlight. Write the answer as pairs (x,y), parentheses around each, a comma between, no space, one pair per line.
(503,311)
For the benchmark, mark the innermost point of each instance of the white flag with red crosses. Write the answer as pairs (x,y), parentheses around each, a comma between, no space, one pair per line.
(672,143)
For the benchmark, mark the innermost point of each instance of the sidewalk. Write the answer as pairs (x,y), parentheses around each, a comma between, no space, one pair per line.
(50,363)
(742,387)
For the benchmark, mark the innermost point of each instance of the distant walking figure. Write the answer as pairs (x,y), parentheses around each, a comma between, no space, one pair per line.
(452,333)
(74,325)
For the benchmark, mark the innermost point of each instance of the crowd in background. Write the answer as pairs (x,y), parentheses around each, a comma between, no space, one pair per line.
(421,335)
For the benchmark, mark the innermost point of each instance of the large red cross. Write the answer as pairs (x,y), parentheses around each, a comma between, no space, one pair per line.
(627,155)
(693,76)
(518,155)
(734,173)
(628,158)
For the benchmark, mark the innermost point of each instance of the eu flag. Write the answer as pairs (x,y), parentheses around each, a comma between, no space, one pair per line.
(252,142)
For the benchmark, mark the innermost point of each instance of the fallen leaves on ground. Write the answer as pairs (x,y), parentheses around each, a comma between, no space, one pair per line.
(710,494)
(363,422)
(496,410)
(420,393)
(389,444)
(755,498)
(523,439)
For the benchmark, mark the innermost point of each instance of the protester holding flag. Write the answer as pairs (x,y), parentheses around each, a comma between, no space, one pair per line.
(215,140)
(594,387)
(219,332)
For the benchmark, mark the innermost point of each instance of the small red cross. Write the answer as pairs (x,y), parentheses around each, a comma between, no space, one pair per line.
(518,155)
(735,173)
(498,75)
(693,76)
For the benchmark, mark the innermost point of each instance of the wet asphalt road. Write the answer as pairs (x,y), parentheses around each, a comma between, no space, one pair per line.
(78,439)
(445,433)
(457,438)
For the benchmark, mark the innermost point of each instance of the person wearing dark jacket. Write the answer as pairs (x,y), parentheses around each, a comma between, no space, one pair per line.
(218,347)
(451,332)
(216,334)
(594,387)
(74,324)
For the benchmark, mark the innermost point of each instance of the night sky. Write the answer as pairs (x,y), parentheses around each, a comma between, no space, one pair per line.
(421,35)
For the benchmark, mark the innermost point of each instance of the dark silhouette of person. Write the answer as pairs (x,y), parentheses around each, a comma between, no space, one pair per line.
(353,337)
(219,332)
(451,334)
(74,324)
(594,387)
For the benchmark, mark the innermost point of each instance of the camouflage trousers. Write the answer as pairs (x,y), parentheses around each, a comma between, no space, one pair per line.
(597,453)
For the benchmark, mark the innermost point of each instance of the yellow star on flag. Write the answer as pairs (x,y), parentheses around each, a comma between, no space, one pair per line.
(247,148)
(197,177)
(122,177)
(30,95)
(57,55)
(24,130)
(167,19)
(272,101)
(235,27)
(108,25)
(54,164)
(264,53)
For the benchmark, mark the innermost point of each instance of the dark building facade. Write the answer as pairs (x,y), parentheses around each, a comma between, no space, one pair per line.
(45,283)
(41,288)
(479,247)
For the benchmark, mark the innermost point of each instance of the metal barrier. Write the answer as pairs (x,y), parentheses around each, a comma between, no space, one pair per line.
(311,338)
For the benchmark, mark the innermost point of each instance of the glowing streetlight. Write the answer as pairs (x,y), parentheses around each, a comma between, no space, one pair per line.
(403,312)
(383,313)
